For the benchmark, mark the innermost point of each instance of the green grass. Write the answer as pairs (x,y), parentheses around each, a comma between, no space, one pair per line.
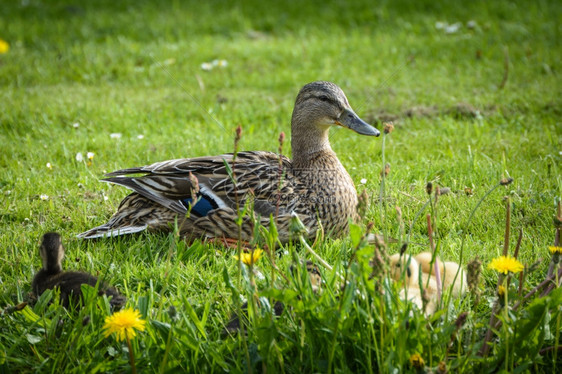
(133,68)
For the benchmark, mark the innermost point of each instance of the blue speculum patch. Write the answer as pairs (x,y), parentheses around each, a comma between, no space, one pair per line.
(202,207)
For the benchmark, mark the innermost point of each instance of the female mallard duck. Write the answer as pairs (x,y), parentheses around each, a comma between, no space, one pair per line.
(68,282)
(314,184)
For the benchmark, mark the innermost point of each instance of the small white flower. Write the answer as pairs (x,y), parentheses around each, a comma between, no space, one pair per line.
(206,66)
(140,136)
(49,166)
(440,25)
(451,29)
(221,63)
(115,135)
(363,181)
(471,24)
(44,197)
(90,155)
(259,275)
(79,157)
(105,198)
(76,125)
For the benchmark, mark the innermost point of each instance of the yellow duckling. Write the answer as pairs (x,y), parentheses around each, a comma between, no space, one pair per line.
(408,269)
(448,272)
(68,282)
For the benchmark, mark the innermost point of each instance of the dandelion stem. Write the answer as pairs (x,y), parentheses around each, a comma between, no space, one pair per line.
(131,355)
(505,327)
(557,322)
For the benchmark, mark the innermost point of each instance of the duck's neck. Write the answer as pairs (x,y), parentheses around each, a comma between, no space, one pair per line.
(309,143)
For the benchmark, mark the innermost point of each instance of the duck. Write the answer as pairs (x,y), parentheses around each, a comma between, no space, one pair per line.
(51,276)
(448,273)
(204,195)
(407,269)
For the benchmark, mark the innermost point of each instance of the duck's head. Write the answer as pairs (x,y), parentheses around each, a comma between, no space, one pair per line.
(320,105)
(323,104)
(403,266)
(52,252)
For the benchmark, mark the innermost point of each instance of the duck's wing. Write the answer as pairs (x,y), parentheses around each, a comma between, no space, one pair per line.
(257,174)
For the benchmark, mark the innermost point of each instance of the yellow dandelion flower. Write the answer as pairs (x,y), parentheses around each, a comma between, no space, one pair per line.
(554,249)
(417,361)
(251,258)
(4,46)
(124,323)
(506,264)
(501,291)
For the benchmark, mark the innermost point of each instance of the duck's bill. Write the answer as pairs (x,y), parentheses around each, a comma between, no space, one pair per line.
(352,121)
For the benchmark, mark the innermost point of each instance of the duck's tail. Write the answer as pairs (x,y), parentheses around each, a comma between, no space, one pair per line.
(107,230)
(136,213)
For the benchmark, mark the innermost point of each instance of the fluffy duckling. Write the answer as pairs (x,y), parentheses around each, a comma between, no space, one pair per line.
(448,271)
(408,269)
(68,282)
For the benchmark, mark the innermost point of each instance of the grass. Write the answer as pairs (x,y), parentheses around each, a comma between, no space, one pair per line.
(134,68)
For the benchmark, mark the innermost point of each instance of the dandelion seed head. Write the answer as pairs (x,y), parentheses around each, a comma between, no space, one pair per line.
(79,157)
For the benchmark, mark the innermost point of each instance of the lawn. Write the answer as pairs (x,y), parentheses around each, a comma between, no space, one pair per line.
(475,95)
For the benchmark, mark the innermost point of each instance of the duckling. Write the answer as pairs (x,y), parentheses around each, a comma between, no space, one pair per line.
(408,269)
(448,271)
(68,282)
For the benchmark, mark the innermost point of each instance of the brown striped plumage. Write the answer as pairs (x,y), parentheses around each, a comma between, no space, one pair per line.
(314,185)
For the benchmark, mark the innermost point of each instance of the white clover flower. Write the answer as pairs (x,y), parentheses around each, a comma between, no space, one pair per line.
(44,197)
(79,157)
(49,166)
(363,180)
(90,155)
(115,135)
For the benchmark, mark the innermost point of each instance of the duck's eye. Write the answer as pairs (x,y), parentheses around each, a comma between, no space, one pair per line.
(324,98)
